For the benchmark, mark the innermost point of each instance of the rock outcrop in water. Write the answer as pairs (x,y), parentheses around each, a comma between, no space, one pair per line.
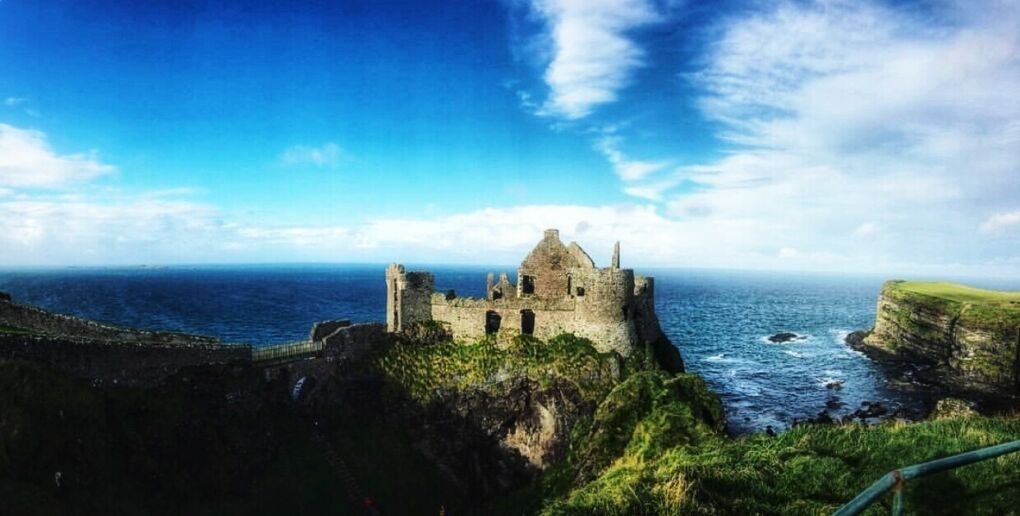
(969,338)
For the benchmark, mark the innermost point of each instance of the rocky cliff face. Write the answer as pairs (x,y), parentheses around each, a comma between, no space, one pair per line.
(972,342)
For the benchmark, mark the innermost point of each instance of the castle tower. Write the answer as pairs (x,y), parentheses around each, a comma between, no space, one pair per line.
(408,297)
(616,255)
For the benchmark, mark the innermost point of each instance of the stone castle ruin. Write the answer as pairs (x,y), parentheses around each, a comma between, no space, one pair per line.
(559,290)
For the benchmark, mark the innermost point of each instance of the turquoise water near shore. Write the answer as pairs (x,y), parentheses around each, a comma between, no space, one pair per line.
(721,320)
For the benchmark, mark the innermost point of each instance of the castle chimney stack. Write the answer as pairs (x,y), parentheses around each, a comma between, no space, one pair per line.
(616,255)
(552,234)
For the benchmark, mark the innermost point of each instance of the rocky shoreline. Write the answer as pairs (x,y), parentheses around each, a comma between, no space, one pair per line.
(928,384)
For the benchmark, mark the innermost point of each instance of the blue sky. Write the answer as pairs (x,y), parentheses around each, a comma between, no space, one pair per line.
(814,135)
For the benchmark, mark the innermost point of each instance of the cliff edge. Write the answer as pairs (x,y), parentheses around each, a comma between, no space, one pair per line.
(970,336)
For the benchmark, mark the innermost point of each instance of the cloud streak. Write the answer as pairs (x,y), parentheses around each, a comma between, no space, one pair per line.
(27,161)
(592,53)
(1001,223)
(327,155)
(847,117)
(629,170)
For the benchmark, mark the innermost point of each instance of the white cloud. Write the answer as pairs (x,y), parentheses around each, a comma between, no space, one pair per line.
(592,53)
(27,161)
(643,192)
(103,228)
(627,169)
(867,231)
(326,155)
(1001,223)
(14,101)
(840,110)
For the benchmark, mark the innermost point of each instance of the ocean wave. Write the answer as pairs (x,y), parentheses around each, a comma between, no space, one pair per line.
(721,357)
(840,334)
(827,381)
(724,358)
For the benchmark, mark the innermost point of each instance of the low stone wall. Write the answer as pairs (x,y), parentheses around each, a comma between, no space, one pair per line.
(42,321)
(323,329)
(351,343)
(116,362)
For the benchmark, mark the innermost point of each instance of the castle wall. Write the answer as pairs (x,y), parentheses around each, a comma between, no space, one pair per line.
(467,316)
(467,320)
(547,264)
(408,296)
(559,285)
(606,293)
(646,321)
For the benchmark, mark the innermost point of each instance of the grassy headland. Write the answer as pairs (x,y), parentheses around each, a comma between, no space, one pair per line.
(655,444)
(962,293)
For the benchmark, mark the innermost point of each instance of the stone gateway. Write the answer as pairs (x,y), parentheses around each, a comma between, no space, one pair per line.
(559,290)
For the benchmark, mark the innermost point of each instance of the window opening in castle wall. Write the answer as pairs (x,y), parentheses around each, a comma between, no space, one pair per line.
(527,322)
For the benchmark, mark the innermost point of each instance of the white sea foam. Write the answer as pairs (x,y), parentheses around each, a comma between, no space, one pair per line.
(716,358)
(829,380)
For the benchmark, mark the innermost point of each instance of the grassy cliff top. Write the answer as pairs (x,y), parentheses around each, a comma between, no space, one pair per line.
(959,293)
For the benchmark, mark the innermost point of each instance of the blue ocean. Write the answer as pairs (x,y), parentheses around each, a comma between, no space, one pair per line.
(721,320)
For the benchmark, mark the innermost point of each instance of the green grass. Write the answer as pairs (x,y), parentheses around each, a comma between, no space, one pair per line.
(987,310)
(427,372)
(14,330)
(962,293)
(808,470)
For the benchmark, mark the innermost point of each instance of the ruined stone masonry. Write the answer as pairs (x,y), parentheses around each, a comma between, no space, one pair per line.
(559,290)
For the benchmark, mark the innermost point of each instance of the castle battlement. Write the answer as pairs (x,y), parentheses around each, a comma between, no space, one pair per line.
(559,290)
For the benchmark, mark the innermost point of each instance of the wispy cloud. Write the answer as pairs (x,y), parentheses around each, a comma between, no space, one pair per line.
(27,161)
(626,168)
(592,54)
(850,116)
(1001,223)
(323,156)
(14,101)
(867,231)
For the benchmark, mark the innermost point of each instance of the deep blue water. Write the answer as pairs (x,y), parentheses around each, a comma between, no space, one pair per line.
(720,319)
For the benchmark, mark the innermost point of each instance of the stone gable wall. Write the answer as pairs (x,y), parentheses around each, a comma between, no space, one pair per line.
(547,263)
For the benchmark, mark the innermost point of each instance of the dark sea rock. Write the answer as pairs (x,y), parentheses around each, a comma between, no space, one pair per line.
(855,339)
(834,385)
(780,338)
(870,410)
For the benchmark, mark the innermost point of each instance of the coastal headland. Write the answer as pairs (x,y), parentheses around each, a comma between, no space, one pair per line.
(371,419)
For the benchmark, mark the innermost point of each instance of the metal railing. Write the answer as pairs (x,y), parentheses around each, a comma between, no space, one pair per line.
(896,479)
(284,351)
